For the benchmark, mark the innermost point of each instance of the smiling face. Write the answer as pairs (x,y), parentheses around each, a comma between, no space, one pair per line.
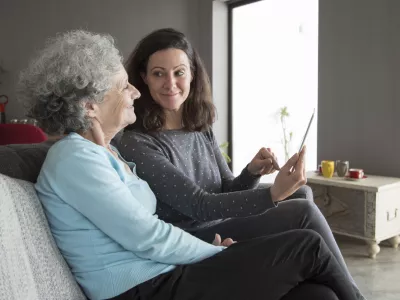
(168,78)
(116,110)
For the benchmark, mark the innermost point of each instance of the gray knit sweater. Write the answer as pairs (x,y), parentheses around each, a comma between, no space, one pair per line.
(193,184)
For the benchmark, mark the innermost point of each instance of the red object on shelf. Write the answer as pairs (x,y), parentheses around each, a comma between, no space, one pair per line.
(21,134)
(3,104)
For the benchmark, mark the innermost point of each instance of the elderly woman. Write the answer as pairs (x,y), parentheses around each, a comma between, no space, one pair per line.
(102,215)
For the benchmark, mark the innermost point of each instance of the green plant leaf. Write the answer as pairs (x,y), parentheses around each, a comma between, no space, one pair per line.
(223,147)
(284,112)
(226,156)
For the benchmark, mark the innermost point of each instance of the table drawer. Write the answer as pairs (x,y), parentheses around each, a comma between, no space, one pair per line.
(388,214)
(344,209)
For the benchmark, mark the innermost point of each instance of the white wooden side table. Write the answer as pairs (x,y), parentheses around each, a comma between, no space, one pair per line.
(368,208)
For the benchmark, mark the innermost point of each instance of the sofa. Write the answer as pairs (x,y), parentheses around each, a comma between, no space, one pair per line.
(31,266)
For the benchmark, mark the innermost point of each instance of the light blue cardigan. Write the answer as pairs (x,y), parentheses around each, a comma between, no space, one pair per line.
(103,220)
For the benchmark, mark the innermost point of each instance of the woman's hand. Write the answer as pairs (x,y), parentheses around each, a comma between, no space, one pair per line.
(218,241)
(290,178)
(263,163)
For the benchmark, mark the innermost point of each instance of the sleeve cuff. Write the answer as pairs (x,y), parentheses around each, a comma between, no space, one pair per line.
(249,180)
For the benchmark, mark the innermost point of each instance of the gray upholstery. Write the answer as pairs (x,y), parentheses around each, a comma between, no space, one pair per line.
(23,161)
(31,267)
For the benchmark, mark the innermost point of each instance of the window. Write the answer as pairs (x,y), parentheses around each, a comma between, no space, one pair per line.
(273,65)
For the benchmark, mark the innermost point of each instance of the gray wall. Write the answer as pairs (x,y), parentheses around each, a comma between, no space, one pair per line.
(25,24)
(359,84)
(359,61)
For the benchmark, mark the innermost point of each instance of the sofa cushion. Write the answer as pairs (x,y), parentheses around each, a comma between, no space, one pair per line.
(31,266)
(23,161)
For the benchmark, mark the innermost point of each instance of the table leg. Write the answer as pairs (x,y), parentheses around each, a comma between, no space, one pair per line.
(395,241)
(373,248)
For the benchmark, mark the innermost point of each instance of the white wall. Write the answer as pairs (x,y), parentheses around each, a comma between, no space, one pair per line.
(25,24)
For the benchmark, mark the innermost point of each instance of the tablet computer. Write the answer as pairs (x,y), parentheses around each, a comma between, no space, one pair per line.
(308,128)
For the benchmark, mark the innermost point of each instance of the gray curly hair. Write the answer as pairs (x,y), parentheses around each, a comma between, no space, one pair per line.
(73,68)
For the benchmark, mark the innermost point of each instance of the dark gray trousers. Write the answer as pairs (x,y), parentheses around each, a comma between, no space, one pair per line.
(296,264)
(289,215)
(287,253)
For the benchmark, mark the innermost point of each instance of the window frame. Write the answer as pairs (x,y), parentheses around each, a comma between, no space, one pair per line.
(231,6)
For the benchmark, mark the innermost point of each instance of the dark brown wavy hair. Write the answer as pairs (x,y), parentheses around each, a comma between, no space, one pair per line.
(198,110)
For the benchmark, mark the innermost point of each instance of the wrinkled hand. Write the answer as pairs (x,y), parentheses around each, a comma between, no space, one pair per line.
(265,162)
(218,241)
(290,178)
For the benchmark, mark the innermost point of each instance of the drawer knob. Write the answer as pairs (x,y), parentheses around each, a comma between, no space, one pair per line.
(391,218)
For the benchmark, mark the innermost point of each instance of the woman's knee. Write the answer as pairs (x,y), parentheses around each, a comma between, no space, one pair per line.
(308,234)
(305,192)
(303,239)
(305,207)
